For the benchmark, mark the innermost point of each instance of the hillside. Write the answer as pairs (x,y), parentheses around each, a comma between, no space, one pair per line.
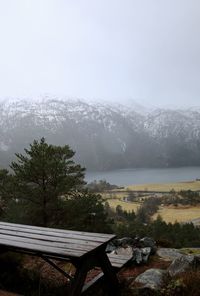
(104,136)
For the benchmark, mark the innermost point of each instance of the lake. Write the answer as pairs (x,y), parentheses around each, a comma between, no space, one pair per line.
(144,175)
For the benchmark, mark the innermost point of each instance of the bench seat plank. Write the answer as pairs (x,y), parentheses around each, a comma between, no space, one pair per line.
(118,261)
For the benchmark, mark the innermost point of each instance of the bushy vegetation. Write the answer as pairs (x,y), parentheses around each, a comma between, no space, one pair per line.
(184,284)
(183,197)
(166,234)
(139,224)
(15,277)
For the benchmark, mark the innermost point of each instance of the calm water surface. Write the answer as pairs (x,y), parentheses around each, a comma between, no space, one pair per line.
(141,176)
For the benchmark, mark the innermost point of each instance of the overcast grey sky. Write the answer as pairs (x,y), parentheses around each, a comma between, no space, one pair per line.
(145,50)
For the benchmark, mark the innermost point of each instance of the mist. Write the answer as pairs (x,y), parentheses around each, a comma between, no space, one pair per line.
(146,51)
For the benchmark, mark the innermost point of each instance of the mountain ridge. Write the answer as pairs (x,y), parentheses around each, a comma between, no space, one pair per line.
(104,135)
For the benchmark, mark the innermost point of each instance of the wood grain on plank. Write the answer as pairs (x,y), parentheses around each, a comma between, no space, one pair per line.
(91,234)
(65,234)
(81,243)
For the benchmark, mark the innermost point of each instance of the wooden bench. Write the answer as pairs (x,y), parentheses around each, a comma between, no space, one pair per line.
(84,250)
(117,262)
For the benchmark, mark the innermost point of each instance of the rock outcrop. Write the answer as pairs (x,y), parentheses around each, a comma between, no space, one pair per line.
(182,264)
(168,253)
(151,278)
(140,249)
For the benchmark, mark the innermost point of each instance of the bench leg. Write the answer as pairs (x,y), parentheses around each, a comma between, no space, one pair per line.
(101,260)
(78,281)
(110,276)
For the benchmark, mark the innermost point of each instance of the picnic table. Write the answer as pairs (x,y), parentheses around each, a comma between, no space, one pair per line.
(85,250)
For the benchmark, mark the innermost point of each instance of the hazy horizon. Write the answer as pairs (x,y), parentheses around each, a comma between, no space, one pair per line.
(124,102)
(144,51)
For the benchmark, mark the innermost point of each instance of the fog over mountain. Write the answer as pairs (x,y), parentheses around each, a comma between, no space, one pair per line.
(104,135)
(118,50)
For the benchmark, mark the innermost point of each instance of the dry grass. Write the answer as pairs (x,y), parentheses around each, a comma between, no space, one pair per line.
(190,251)
(179,214)
(113,195)
(169,214)
(127,206)
(189,185)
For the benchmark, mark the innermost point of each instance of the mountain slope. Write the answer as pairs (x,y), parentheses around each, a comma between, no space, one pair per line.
(104,136)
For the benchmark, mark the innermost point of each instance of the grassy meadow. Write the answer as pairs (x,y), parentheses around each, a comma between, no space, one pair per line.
(115,199)
(179,214)
(168,213)
(166,187)
(127,206)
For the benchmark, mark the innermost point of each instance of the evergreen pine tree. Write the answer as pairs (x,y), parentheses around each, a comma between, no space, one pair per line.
(44,176)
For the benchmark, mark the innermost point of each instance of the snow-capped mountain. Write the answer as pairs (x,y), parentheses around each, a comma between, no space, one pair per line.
(104,136)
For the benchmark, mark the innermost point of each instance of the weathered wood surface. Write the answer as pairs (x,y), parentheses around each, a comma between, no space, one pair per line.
(118,261)
(50,241)
(47,229)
